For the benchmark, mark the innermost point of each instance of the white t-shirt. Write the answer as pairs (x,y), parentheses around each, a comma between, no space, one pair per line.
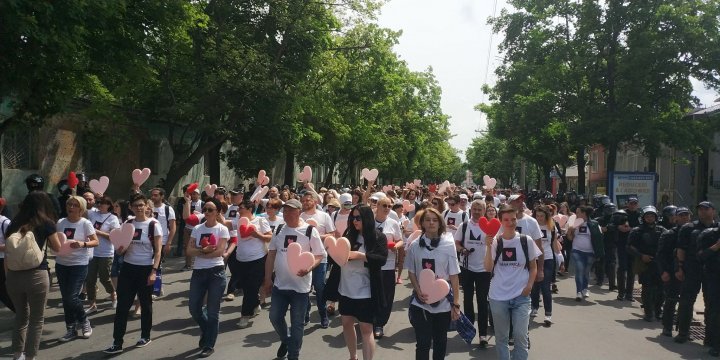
(510,276)
(275,223)
(4,224)
(159,215)
(195,208)
(341,221)
(547,242)
(284,280)
(233,215)
(355,277)
(201,232)
(582,241)
(391,229)
(475,241)
(529,226)
(140,251)
(454,218)
(324,226)
(393,215)
(105,223)
(442,260)
(79,231)
(252,248)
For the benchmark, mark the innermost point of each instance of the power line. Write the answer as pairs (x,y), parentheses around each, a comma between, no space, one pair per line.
(487,64)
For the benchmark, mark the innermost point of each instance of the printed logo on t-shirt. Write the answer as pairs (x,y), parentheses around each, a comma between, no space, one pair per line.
(137,234)
(509,254)
(272,228)
(472,236)
(428,264)
(451,221)
(204,237)
(155,214)
(69,233)
(583,229)
(232,214)
(289,239)
(544,232)
(97,225)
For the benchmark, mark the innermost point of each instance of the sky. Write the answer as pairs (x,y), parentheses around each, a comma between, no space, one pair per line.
(452,37)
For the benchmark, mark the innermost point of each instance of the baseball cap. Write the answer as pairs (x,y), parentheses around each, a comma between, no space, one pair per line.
(682,210)
(501,197)
(345,199)
(377,196)
(633,199)
(706,204)
(478,195)
(197,190)
(293,203)
(514,197)
(334,202)
(463,196)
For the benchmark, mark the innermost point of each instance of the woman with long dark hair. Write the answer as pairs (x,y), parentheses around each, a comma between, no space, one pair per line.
(361,288)
(28,289)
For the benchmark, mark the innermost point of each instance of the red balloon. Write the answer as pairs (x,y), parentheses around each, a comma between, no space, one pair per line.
(490,228)
(72,180)
(192,220)
(391,245)
(191,188)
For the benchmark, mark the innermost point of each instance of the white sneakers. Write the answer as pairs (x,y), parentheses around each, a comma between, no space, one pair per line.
(533,313)
(586,293)
(244,323)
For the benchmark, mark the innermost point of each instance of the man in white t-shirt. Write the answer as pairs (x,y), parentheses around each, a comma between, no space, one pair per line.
(527,225)
(165,215)
(290,290)
(340,217)
(454,216)
(491,192)
(325,227)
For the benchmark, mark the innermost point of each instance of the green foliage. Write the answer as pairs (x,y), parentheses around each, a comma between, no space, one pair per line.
(488,155)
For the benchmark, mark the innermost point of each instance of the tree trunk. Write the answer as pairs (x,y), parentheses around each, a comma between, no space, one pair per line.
(581,169)
(289,168)
(562,186)
(652,163)
(611,160)
(329,176)
(213,159)
(179,168)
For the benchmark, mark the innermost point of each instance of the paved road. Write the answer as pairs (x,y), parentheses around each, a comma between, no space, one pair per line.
(601,328)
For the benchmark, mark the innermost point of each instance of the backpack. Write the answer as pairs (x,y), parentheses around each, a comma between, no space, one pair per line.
(308,231)
(22,251)
(523,244)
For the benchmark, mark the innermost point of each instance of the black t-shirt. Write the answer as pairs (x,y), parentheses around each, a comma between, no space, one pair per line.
(41,233)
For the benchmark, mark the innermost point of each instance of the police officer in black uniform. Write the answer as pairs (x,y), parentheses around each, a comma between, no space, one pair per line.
(35,182)
(643,244)
(606,264)
(708,248)
(666,262)
(689,269)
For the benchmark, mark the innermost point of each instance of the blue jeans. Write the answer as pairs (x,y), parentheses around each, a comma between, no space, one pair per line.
(318,282)
(544,287)
(582,261)
(517,312)
(71,279)
(298,303)
(211,282)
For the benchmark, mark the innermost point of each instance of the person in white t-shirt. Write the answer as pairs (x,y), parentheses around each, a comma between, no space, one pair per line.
(325,227)
(291,290)
(527,225)
(71,267)
(394,238)
(513,279)
(550,246)
(454,216)
(195,204)
(405,224)
(100,265)
(470,241)
(247,272)
(165,215)
(340,219)
(207,244)
(434,250)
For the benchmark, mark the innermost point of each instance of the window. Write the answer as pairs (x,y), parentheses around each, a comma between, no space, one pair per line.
(19,149)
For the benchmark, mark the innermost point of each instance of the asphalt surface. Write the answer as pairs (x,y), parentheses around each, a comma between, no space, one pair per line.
(599,328)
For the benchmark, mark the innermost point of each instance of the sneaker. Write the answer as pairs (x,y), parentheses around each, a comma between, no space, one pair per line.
(378,333)
(621,297)
(324,323)
(82,296)
(90,310)
(554,289)
(186,268)
(154,296)
(113,349)
(586,293)
(265,305)
(548,321)
(229,297)
(143,342)
(282,350)
(666,332)
(86,329)
(257,311)
(483,342)
(244,323)
(206,352)
(579,296)
(71,334)
(533,313)
(21,357)
(114,304)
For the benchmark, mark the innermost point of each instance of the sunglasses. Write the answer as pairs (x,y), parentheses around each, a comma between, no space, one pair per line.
(208,210)
(387,206)
(138,205)
(355,218)
(452,204)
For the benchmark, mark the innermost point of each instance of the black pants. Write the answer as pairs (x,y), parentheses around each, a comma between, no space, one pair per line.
(606,267)
(233,266)
(476,284)
(652,292)
(567,252)
(430,331)
(4,297)
(688,294)
(712,310)
(133,281)
(672,295)
(250,276)
(388,282)
(625,275)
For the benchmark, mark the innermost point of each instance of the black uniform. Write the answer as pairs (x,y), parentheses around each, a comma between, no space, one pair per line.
(711,286)
(665,259)
(644,240)
(606,264)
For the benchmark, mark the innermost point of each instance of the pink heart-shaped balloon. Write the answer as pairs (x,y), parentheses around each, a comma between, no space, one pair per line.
(140,176)
(409,185)
(571,219)
(387,188)
(578,222)
(123,236)
(210,189)
(297,259)
(306,174)
(417,182)
(338,249)
(65,245)
(408,206)
(435,289)
(262,179)
(259,193)
(99,186)
(561,219)
(372,175)
(444,186)
(311,222)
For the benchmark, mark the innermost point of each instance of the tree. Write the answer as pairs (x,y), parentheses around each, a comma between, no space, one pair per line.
(488,155)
